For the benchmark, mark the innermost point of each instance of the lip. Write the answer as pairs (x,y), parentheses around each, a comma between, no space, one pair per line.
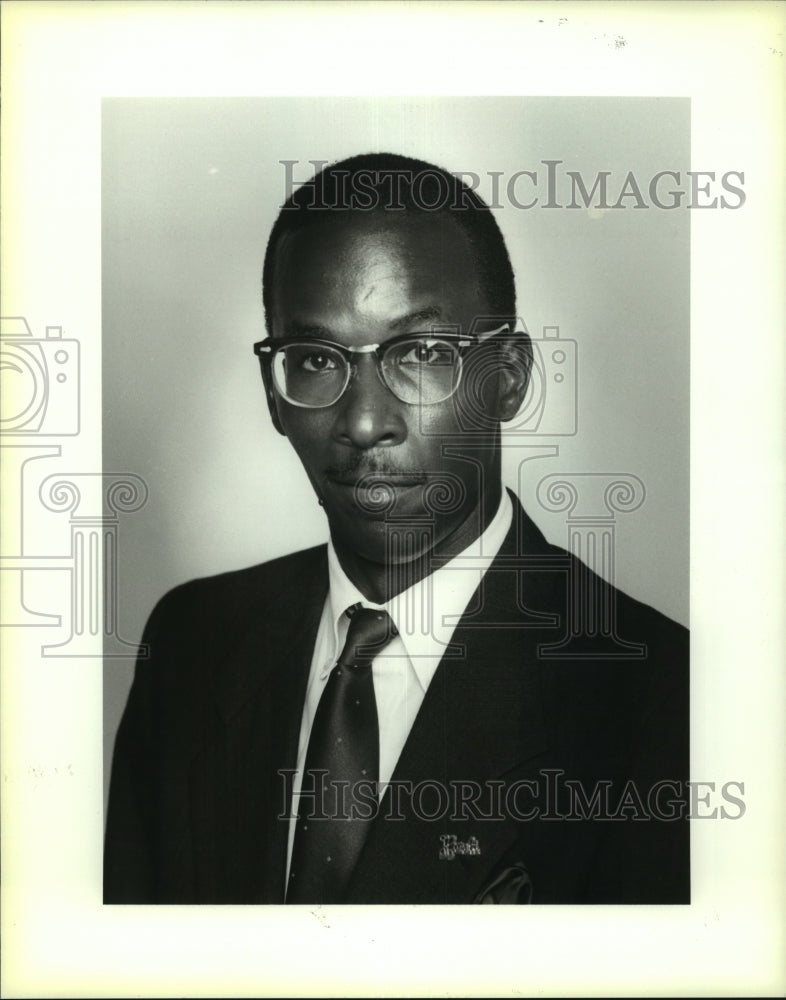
(374,493)
(369,480)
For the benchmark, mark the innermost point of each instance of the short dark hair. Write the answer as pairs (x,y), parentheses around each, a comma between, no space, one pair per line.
(388,182)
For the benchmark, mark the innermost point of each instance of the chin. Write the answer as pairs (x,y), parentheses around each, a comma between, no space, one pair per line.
(385,543)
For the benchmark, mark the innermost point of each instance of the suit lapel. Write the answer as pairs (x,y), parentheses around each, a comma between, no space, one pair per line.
(238,794)
(481,719)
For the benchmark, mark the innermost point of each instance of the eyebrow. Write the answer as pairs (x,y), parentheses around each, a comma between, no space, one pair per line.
(294,328)
(420,316)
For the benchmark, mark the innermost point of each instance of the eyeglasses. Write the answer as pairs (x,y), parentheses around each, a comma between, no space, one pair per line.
(418,368)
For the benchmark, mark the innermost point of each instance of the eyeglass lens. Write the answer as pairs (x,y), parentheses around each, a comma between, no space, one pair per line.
(424,370)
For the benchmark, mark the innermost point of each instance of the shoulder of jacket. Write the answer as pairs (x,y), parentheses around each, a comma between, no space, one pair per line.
(237,587)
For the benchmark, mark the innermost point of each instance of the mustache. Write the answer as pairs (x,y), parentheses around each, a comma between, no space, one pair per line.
(359,467)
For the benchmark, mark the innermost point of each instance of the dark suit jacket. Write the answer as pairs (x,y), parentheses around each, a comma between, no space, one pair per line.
(540,710)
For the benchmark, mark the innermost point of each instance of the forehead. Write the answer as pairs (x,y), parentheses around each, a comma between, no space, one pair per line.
(372,269)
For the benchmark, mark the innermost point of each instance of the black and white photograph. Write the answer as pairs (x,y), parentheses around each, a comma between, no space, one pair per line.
(521,734)
(392,475)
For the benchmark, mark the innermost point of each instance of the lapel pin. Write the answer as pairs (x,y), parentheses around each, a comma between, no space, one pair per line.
(450,846)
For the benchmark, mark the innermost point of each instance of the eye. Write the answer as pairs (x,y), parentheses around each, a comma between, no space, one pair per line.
(425,353)
(316,362)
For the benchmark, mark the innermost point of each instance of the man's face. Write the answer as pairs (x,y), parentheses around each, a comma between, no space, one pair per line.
(363,280)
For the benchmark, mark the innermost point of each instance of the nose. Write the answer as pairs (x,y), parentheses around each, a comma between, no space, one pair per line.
(369,415)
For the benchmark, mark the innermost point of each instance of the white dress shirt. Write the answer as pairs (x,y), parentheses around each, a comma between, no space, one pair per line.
(426,616)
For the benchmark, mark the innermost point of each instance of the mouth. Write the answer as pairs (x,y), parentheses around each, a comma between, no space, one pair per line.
(369,479)
(374,492)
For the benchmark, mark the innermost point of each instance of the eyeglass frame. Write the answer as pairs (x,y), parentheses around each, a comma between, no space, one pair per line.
(265,350)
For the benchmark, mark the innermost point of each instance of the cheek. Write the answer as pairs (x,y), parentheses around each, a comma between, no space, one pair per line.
(453,445)
(432,423)
(307,432)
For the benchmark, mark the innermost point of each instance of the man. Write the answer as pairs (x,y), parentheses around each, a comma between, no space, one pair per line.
(438,706)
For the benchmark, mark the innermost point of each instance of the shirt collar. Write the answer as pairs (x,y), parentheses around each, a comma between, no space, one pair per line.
(427,613)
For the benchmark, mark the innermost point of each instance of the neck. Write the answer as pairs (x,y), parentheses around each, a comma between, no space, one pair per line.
(380,581)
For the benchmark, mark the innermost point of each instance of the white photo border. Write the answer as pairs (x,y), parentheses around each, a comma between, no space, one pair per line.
(59,60)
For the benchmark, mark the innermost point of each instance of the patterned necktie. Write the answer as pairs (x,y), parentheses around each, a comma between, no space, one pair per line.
(341,762)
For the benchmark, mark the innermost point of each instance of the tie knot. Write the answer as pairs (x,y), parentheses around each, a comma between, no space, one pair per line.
(368,634)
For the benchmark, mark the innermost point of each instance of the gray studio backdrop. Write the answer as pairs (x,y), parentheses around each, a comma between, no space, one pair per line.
(191,188)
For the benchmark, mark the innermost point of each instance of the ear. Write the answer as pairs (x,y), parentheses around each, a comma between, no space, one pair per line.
(272,399)
(495,381)
(515,366)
